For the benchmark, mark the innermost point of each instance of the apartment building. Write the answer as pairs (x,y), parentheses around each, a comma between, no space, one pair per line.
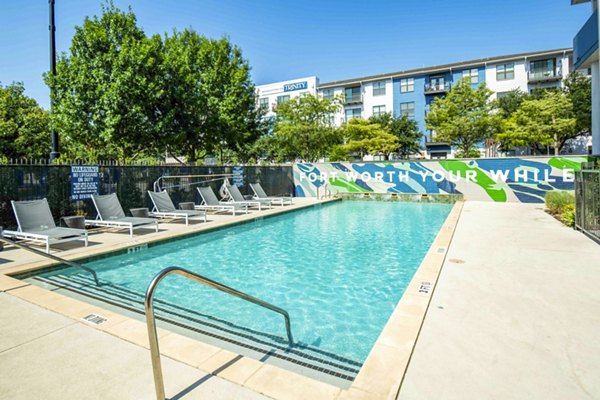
(411,92)
(272,94)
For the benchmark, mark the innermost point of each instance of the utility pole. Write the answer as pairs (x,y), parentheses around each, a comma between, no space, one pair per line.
(54,153)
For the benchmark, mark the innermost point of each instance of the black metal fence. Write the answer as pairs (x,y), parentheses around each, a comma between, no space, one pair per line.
(29,182)
(587,202)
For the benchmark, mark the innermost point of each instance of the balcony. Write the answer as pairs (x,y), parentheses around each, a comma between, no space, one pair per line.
(585,43)
(433,88)
(354,99)
(546,75)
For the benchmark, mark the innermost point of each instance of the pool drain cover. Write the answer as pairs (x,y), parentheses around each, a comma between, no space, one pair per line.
(94,319)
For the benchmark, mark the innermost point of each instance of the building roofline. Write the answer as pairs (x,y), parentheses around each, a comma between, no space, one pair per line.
(443,67)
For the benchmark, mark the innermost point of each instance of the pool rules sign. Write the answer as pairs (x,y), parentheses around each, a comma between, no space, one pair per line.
(85,181)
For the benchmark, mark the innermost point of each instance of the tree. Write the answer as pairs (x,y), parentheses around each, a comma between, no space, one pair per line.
(210,101)
(579,89)
(107,89)
(464,117)
(24,125)
(510,102)
(366,137)
(406,131)
(538,123)
(305,128)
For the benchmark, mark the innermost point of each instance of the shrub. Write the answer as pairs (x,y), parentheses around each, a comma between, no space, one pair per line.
(568,215)
(556,201)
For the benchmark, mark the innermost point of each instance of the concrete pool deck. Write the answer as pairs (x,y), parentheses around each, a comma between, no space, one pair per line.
(515,314)
(512,276)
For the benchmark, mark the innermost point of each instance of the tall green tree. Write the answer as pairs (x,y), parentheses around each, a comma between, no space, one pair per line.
(541,123)
(210,103)
(24,125)
(367,137)
(578,88)
(304,126)
(107,88)
(464,117)
(406,131)
(510,102)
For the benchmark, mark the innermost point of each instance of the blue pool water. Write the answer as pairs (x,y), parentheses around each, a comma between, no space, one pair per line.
(339,270)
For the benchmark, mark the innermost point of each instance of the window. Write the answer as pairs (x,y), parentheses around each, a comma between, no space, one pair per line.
(328,94)
(505,72)
(353,113)
(379,88)
(502,94)
(543,69)
(407,109)
(282,99)
(378,110)
(472,75)
(407,85)
(263,103)
(352,94)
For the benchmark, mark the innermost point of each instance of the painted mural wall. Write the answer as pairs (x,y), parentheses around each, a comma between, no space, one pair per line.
(523,180)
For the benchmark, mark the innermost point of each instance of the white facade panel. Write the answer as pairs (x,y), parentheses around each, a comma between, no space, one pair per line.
(371,100)
(519,81)
(271,92)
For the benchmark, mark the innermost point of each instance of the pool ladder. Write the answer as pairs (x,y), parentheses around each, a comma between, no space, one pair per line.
(151,322)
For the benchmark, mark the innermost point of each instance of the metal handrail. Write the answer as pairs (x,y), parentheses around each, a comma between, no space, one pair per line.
(151,322)
(52,257)
(157,186)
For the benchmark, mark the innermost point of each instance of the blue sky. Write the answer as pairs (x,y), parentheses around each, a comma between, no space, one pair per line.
(332,39)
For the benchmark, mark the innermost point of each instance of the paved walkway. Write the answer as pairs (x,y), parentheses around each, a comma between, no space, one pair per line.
(44,355)
(516,313)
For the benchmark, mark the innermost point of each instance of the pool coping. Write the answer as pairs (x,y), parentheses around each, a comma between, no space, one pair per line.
(379,378)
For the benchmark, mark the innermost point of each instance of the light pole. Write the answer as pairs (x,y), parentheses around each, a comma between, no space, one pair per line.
(54,152)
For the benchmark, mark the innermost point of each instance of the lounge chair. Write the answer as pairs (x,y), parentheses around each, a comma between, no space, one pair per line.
(236,197)
(110,214)
(35,223)
(164,208)
(211,202)
(260,194)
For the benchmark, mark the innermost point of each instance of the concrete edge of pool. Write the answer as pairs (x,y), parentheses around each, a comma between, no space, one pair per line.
(379,378)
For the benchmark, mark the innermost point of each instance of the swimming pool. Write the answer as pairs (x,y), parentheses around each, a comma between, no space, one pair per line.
(338,269)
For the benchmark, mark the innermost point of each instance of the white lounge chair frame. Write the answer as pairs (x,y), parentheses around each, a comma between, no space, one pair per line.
(70,234)
(122,221)
(236,197)
(219,205)
(260,194)
(172,212)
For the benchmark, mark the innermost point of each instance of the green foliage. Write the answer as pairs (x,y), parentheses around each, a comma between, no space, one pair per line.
(304,127)
(579,89)
(557,200)
(473,153)
(119,94)
(366,137)
(24,125)
(547,121)
(510,102)
(210,100)
(339,153)
(568,215)
(406,131)
(464,117)
(106,90)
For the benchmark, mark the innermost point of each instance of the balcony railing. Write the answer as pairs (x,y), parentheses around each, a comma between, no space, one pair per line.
(354,99)
(544,75)
(437,87)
